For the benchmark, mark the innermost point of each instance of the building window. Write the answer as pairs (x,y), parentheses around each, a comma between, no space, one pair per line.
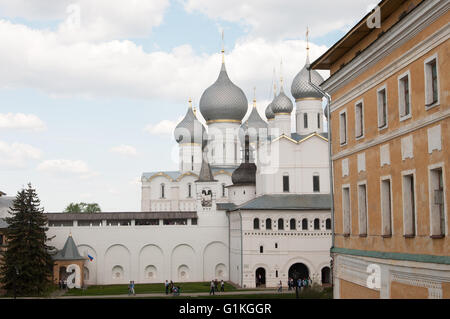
(404,96)
(292,224)
(359,120)
(328,223)
(163,189)
(281,224)
(346,209)
(362,209)
(268,223)
(316,224)
(386,204)
(256,223)
(318,120)
(261,249)
(276,273)
(431,82)
(192,162)
(286,184)
(194,221)
(305,224)
(382,108)
(316,183)
(409,209)
(343,128)
(276,245)
(189,190)
(437,203)
(305,120)
(223,190)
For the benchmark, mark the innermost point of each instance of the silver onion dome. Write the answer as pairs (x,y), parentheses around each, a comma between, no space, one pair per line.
(223,100)
(301,88)
(282,103)
(269,113)
(254,126)
(190,130)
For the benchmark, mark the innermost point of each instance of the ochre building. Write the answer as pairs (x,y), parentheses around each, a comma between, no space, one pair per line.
(390,126)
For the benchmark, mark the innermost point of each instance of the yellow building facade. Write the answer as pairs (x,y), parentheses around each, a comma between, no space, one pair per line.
(390,126)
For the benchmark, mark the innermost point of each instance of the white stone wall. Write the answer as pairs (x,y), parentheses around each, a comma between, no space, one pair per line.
(312,108)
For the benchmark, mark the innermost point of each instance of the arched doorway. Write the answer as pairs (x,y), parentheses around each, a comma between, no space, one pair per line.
(326,278)
(260,277)
(298,271)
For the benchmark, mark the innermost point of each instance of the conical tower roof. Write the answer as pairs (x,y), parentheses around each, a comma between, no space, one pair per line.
(69,252)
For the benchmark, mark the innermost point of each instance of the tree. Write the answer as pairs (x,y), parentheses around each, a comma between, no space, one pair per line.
(83,208)
(27,264)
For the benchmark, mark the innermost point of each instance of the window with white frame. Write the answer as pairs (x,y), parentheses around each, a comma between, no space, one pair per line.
(316,183)
(437,209)
(318,120)
(346,209)
(189,190)
(359,120)
(286,183)
(386,204)
(431,81)
(305,120)
(163,191)
(382,107)
(362,209)
(404,96)
(409,207)
(343,127)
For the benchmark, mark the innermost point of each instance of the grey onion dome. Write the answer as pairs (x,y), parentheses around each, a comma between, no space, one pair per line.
(223,100)
(190,130)
(301,88)
(269,113)
(282,103)
(254,126)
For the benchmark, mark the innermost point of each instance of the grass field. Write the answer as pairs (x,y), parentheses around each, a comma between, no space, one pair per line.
(187,287)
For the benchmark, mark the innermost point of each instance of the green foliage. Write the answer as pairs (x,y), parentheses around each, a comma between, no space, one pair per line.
(83,208)
(27,265)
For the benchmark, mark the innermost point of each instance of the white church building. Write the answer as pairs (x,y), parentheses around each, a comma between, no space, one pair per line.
(249,204)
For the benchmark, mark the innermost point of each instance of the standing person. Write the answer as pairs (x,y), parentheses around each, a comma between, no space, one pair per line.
(212,289)
(215,285)
(166,285)
(280,287)
(132,288)
(171,286)
(289,284)
(222,286)
(129,288)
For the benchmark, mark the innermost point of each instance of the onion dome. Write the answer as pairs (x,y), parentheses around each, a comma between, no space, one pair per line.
(223,101)
(301,88)
(282,103)
(253,126)
(246,172)
(190,130)
(269,113)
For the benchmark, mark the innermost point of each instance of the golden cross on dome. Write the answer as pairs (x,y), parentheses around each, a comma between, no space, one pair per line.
(223,47)
(254,97)
(307,41)
(190,103)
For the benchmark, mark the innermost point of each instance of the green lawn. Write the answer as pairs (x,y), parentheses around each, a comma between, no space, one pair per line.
(186,287)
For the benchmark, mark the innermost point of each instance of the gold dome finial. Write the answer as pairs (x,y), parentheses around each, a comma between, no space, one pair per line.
(307,43)
(223,47)
(281,74)
(274,83)
(195,111)
(190,103)
(254,96)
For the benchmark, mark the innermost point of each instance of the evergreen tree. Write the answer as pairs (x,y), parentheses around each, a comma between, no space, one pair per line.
(27,265)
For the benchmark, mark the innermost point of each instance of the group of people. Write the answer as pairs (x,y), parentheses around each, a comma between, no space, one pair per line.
(131,289)
(171,288)
(214,287)
(62,284)
(305,282)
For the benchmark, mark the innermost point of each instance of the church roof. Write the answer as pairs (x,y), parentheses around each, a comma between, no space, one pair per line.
(69,252)
(174,175)
(119,215)
(298,137)
(206,174)
(284,202)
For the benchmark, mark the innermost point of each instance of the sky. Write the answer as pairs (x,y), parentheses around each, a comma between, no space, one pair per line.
(90,90)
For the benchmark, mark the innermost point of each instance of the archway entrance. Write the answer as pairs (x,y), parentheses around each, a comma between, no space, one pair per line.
(260,277)
(326,275)
(298,271)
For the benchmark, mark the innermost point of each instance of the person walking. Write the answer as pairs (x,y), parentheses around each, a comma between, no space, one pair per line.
(166,286)
(212,288)
(222,286)
(280,287)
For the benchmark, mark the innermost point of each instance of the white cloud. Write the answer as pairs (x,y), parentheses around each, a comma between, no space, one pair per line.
(124,150)
(16,155)
(283,18)
(38,59)
(88,21)
(164,127)
(21,121)
(64,167)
